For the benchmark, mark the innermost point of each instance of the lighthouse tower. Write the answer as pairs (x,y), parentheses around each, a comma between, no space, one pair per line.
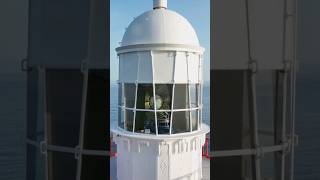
(160,133)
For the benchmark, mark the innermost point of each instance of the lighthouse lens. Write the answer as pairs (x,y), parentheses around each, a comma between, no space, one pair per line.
(164,91)
(161,108)
(144,96)
(158,102)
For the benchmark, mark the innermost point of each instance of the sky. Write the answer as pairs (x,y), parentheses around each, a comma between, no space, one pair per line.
(122,12)
(14,29)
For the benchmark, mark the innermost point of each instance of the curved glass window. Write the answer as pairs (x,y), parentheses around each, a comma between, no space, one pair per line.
(194,95)
(164,96)
(129,95)
(120,95)
(159,108)
(181,97)
(120,111)
(129,115)
(120,118)
(180,122)
(145,122)
(144,96)
(195,119)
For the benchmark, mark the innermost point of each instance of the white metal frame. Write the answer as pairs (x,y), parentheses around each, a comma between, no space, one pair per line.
(43,145)
(173,91)
(198,92)
(161,110)
(154,93)
(42,85)
(288,141)
(189,93)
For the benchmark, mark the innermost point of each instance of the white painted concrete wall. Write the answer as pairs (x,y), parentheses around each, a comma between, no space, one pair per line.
(142,158)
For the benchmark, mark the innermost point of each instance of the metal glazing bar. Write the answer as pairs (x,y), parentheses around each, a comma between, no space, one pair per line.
(173,88)
(199,68)
(201,107)
(71,150)
(154,94)
(198,90)
(284,94)
(257,166)
(189,93)
(198,104)
(90,152)
(82,120)
(119,105)
(172,101)
(255,125)
(201,93)
(135,111)
(190,112)
(293,85)
(245,152)
(284,119)
(43,89)
(124,104)
(119,68)
(249,42)
(136,95)
(160,110)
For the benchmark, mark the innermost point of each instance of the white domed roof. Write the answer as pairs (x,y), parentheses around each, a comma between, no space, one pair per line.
(160,26)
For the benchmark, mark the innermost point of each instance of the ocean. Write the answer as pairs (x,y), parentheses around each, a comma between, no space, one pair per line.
(13,123)
(12,127)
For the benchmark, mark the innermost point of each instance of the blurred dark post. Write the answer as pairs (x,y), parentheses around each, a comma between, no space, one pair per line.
(253,89)
(68,90)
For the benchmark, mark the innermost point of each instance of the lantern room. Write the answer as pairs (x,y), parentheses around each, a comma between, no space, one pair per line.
(160,98)
(160,75)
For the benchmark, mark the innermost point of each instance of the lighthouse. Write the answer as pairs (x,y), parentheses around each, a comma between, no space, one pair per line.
(159,131)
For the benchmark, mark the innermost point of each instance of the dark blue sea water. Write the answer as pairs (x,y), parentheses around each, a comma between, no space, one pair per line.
(12,127)
(13,111)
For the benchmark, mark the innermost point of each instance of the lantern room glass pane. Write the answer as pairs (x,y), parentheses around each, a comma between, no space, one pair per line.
(181,97)
(201,103)
(120,97)
(145,96)
(193,67)
(163,63)
(129,95)
(194,119)
(145,122)
(145,67)
(163,122)
(180,122)
(181,68)
(120,118)
(129,119)
(128,63)
(194,95)
(163,96)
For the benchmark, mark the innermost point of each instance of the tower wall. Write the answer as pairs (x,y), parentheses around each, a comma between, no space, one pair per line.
(159,159)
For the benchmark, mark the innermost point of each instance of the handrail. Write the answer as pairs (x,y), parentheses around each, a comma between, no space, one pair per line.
(259,152)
